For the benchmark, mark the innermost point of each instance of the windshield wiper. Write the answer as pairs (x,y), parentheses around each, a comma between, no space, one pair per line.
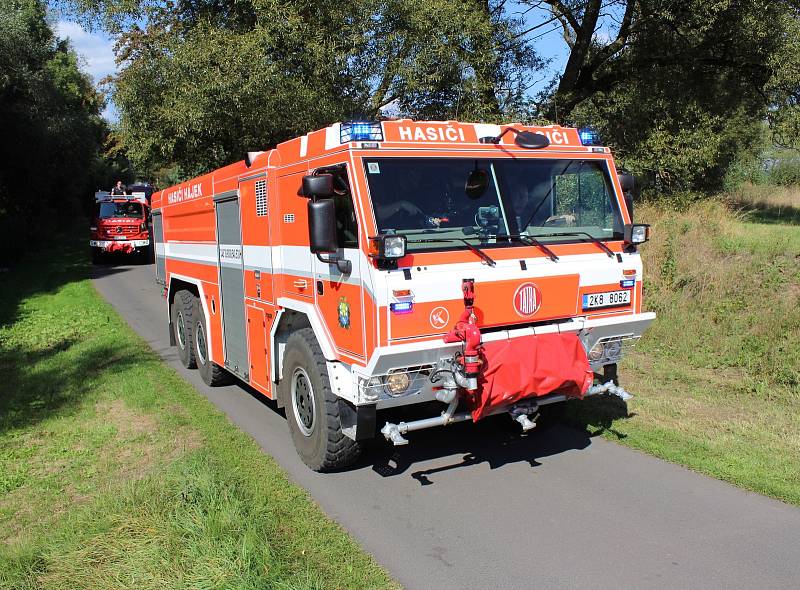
(530,241)
(602,246)
(483,255)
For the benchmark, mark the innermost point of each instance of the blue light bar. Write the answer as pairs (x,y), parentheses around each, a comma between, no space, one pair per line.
(589,136)
(361,131)
(627,283)
(402,307)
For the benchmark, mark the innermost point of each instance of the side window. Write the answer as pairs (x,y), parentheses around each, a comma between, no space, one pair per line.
(346,225)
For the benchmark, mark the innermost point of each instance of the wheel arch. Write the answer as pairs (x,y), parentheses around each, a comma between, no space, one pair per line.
(293,315)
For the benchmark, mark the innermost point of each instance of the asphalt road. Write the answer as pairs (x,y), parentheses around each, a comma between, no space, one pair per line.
(479,506)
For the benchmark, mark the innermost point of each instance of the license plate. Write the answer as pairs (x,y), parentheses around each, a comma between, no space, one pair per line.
(606,299)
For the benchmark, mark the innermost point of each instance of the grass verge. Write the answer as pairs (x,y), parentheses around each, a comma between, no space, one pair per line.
(717,376)
(114,473)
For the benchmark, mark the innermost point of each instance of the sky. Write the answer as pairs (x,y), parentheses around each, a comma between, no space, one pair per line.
(96,50)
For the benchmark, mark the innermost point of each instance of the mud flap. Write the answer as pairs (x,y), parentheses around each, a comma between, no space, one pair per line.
(358,422)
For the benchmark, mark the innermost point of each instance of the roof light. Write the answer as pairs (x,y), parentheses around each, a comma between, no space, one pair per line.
(361,131)
(589,136)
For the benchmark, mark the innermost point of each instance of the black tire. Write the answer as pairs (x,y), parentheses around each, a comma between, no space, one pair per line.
(182,312)
(97,256)
(316,428)
(211,373)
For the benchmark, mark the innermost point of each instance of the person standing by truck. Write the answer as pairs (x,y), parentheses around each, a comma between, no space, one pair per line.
(118,190)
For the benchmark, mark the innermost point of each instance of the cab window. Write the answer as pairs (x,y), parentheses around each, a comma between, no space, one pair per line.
(346,224)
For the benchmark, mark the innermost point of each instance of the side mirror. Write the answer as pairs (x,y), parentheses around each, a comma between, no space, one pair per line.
(322,233)
(531,141)
(318,186)
(322,225)
(627,182)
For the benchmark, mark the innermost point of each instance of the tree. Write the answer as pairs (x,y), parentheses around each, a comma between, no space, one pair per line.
(679,87)
(783,88)
(52,130)
(201,82)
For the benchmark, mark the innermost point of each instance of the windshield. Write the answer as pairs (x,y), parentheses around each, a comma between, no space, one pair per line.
(109,210)
(438,203)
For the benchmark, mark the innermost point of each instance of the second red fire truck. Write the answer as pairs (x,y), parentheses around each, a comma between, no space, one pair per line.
(479,268)
(120,224)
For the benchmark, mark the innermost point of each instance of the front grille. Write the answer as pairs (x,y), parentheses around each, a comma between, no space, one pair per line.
(121,230)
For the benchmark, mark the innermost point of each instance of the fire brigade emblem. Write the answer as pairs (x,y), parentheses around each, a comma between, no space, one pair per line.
(439,318)
(344,313)
(527,299)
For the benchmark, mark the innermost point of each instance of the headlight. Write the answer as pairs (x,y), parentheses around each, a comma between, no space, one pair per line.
(387,246)
(394,246)
(397,382)
(637,233)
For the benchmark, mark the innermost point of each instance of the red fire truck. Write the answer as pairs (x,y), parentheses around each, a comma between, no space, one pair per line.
(119,224)
(472,269)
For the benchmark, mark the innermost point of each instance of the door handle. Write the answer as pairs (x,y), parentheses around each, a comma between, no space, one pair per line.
(300,283)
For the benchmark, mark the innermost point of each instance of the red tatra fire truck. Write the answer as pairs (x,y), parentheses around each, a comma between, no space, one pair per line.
(119,224)
(474,268)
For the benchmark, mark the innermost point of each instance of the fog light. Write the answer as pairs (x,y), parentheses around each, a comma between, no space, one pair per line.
(397,383)
(613,349)
(597,352)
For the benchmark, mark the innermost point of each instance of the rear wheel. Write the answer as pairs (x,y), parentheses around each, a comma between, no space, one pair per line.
(211,373)
(312,409)
(182,313)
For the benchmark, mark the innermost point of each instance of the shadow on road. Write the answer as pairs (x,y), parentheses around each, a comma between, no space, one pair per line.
(496,440)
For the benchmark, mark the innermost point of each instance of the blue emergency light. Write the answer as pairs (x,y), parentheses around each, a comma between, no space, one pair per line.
(402,307)
(589,136)
(361,131)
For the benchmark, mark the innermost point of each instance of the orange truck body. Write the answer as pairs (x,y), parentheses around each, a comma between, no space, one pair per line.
(251,218)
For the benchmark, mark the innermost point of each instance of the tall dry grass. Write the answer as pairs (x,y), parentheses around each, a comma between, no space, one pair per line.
(727,290)
(765,196)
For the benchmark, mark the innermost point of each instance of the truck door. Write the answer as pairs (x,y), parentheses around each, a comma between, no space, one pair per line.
(339,296)
(158,247)
(231,279)
(293,258)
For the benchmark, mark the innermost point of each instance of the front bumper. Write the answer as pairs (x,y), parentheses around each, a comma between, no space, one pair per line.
(107,243)
(422,355)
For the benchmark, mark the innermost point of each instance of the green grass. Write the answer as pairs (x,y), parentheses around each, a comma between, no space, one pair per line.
(717,376)
(115,473)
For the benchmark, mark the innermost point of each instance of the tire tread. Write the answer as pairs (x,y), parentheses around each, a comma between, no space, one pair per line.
(340,451)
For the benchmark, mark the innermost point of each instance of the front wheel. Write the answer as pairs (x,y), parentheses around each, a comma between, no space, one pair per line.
(312,409)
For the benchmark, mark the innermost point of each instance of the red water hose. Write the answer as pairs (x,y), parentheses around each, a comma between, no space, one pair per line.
(467,331)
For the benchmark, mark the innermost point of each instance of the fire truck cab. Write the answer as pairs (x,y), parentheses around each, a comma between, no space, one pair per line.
(474,268)
(119,224)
